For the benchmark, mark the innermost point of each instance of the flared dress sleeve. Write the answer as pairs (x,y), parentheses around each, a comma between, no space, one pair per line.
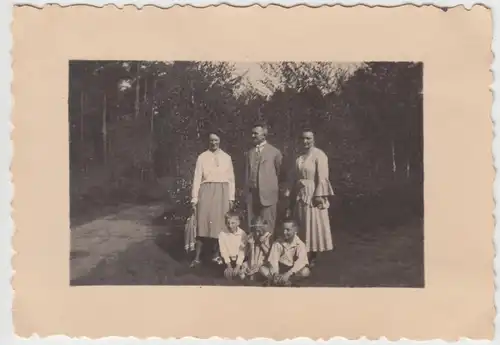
(323,188)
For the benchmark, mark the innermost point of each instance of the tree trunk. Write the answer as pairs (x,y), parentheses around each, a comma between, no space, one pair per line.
(152,123)
(393,153)
(137,91)
(289,148)
(82,131)
(82,114)
(104,129)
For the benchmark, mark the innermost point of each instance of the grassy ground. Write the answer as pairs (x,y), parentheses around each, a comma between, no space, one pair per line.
(377,244)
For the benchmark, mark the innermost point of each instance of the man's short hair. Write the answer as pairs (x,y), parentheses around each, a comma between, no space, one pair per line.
(262,124)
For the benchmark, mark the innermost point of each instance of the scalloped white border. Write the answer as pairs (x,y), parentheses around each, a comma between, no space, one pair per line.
(7,189)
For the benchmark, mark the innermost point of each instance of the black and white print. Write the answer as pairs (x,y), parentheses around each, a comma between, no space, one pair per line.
(292,174)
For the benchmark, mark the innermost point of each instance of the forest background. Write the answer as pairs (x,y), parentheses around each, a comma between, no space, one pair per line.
(136,128)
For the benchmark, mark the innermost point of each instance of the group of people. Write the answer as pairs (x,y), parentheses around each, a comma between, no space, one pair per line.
(306,225)
(256,255)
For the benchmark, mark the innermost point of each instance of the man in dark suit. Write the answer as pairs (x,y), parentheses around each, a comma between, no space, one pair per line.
(262,175)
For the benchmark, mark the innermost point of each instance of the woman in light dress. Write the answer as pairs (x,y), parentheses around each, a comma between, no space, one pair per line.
(309,194)
(212,195)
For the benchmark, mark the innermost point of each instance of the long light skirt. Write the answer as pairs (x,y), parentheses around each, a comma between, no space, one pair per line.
(213,204)
(315,228)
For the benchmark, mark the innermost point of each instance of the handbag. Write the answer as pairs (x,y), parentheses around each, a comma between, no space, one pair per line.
(190,233)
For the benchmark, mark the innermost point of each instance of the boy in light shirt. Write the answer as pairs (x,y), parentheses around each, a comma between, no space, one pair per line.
(287,260)
(232,245)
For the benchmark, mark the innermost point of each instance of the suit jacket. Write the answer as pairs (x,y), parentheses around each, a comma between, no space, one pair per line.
(269,173)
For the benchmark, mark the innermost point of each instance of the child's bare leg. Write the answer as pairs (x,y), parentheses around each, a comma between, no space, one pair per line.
(304,273)
(253,272)
(301,275)
(216,249)
(243,271)
(228,273)
(265,272)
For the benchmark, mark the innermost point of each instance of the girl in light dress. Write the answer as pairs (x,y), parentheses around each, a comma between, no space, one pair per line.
(259,245)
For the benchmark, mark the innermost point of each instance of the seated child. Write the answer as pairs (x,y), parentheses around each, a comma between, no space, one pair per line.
(232,245)
(259,245)
(287,260)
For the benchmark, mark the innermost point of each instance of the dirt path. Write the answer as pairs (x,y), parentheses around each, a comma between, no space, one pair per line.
(103,239)
(125,248)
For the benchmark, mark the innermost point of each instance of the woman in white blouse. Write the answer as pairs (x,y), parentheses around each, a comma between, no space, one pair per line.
(212,194)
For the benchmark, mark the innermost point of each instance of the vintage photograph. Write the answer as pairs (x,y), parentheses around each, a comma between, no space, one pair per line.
(189,160)
(288,173)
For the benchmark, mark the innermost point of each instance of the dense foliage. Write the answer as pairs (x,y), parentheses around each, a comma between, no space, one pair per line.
(136,128)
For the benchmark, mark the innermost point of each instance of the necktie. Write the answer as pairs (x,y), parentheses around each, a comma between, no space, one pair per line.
(258,149)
